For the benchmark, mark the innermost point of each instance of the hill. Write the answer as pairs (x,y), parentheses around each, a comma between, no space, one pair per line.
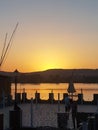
(56,76)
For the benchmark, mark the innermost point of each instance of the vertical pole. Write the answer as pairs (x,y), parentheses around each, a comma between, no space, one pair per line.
(97,105)
(3,99)
(81,96)
(15,75)
(36,96)
(31,112)
(58,102)
(15,87)
(52,96)
(24,95)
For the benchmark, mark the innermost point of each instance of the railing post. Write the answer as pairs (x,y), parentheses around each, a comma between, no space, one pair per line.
(58,102)
(31,112)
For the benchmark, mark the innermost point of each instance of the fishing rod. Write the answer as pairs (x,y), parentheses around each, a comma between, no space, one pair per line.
(4,53)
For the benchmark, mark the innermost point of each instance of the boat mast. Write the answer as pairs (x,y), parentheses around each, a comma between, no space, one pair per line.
(5,49)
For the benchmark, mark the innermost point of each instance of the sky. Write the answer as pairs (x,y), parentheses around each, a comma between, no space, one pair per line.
(51,34)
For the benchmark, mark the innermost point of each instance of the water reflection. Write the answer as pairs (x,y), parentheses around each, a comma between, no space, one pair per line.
(45,89)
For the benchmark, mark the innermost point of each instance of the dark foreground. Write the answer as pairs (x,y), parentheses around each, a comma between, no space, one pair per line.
(40,128)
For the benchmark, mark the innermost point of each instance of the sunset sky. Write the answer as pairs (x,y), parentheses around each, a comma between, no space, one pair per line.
(50,34)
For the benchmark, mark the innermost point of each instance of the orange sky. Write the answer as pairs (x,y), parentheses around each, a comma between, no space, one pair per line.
(50,34)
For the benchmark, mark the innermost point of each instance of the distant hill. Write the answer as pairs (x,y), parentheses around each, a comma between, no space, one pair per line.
(56,76)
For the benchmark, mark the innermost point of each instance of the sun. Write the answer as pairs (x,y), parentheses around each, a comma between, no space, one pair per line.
(48,64)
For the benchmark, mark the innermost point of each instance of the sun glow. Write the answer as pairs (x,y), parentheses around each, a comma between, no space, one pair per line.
(49,66)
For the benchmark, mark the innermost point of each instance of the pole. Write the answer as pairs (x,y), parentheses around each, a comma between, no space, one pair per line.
(15,87)
(8,45)
(58,102)
(16,78)
(31,112)
(3,98)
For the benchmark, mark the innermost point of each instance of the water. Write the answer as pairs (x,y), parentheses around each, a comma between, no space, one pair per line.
(45,88)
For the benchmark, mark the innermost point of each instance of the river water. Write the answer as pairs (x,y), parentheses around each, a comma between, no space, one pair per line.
(45,88)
